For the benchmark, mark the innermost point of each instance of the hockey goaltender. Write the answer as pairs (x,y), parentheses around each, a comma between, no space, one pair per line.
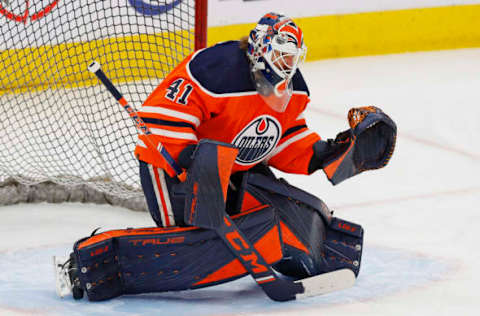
(223,117)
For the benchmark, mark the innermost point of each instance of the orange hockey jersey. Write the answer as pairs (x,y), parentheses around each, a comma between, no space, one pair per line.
(211,95)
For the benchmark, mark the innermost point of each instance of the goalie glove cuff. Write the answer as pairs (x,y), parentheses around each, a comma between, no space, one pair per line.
(327,151)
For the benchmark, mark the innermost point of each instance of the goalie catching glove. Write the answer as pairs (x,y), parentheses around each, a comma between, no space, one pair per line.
(367,145)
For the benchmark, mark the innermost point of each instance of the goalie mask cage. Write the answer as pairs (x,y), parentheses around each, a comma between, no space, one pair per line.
(59,126)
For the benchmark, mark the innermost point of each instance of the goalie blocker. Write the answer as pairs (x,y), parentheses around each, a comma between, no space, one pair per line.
(292,230)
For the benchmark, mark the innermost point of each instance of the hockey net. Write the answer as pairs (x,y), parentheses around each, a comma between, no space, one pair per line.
(62,135)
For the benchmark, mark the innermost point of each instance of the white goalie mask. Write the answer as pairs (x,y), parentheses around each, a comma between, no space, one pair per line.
(275,49)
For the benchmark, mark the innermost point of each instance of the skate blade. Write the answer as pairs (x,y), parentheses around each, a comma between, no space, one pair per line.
(63,286)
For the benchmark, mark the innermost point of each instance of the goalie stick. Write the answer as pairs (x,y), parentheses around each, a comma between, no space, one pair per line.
(276,288)
(174,169)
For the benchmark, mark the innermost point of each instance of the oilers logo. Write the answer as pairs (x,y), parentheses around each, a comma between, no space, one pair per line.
(257,139)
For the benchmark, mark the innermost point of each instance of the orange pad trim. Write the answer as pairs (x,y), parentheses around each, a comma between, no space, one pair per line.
(225,159)
(269,246)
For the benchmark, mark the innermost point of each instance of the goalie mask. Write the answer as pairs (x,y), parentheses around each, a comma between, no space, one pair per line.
(275,48)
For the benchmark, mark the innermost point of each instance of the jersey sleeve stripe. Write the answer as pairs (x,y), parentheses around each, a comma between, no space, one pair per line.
(293,130)
(156,121)
(172,134)
(172,113)
(295,138)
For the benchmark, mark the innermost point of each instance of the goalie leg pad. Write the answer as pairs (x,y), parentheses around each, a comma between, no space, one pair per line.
(343,245)
(314,241)
(133,261)
(207,183)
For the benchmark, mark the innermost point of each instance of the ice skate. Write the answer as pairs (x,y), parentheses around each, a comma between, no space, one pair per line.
(66,277)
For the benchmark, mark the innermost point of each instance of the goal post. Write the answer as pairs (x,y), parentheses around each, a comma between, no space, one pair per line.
(58,125)
(201,9)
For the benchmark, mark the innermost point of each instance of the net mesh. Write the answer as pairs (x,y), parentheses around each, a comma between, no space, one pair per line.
(57,123)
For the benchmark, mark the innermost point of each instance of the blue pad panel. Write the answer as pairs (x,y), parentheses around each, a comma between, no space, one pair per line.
(169,259)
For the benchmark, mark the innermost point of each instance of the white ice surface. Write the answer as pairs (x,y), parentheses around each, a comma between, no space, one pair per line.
(420,213)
